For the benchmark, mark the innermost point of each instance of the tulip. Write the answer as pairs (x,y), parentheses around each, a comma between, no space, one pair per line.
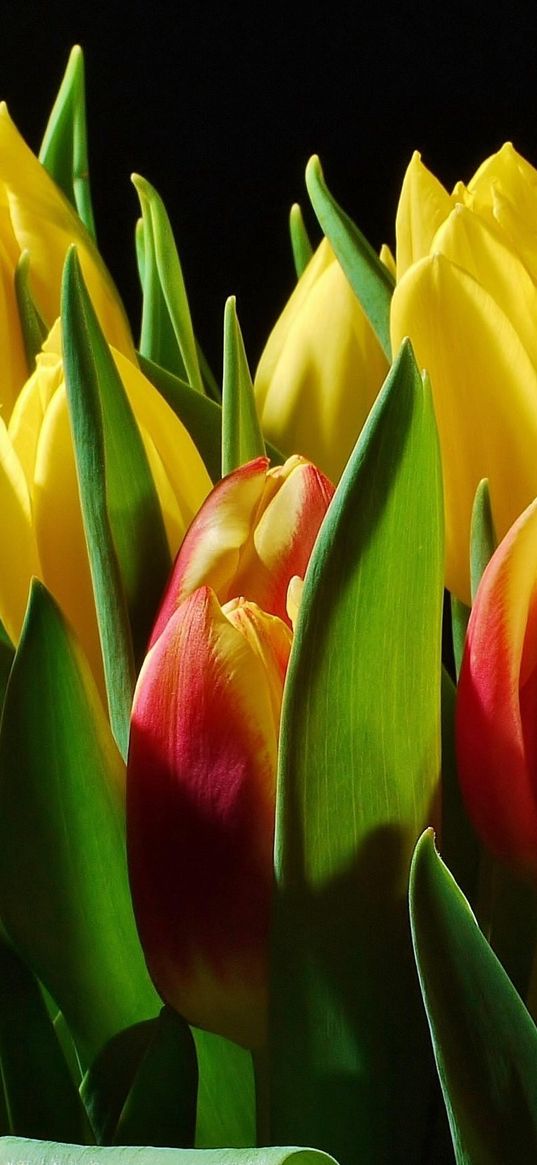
(253,534)
(200,809)
(321,369)
(36,217)
(466,296)
(39,492)
(497,698)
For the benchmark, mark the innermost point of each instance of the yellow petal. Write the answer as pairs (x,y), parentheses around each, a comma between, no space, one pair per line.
(59,530)
(321,369)
(482,250)
(386,257)
(19,554)
(45,224)
(14,365)
(485,394)
(30,408)
(505,187)
(423,206)
(180,475)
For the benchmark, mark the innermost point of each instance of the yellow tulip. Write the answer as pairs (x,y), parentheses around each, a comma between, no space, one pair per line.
(36,217)
(40,514)
(321,369)
(466,295)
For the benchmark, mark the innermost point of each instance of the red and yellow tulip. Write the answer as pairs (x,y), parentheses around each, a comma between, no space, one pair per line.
(255,531)
(203,746)
(497,698)
(36,217)
(466,295)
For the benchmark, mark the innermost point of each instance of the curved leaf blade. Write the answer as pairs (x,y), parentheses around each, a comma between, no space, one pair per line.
(484,1040)
(351,1071)
(62,836)
(16,1151)
(369,278)
(64,149)
(300,243)
(242,439)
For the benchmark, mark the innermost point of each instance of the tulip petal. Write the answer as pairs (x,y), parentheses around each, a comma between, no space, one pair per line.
(45,224)
(479,370)
(14,364)
(423,206)
(505,188)
(19,552)
(200,810)
(321,369)
(496,728)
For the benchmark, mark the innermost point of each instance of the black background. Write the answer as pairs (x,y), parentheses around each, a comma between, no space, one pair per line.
(220,107)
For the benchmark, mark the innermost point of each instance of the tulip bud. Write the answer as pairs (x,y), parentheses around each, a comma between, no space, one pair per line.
(497,698)
(200,809)
(466,297)
(254,532)
(321,369)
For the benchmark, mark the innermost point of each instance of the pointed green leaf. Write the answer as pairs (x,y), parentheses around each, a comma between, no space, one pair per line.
(64,893)
(300,243)
(226,1093)
(34,329)
(162,269)
(15,1151)
(485,1042)
(242,439)
(201,416)
(460,615)
(41,1098)
(483,540)
(369,278)
(7,655)
(127,544)
(459,842)
(106,1084)
(358,778)
(158,341)
(64,149)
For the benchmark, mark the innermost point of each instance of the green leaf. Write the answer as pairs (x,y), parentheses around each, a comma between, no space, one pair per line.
(358,778)
(369,278)
(64,149)
(15,1151)
(483,540)
(226,1093)
(41,1098)
(34,329)
(64,892)
(106,1084)
(127,545)
(7,655)
(460,615)
(162,267)
(300,243)
(485,1042)
(242,439)
(201,416)
(459,842)
(161,1105)
(158,341)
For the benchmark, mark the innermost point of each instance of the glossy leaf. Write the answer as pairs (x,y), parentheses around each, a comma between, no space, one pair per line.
(62,844)
(368,276)
(158,341)
(160,251)
(15,1151)
(460,614)
(485,1042)
(226,1094)
(108,1080)
(127,546)
(242,439)
(350,1065)
(64,149)
(33,327)
(7,655)
(41,1098)
(300,243)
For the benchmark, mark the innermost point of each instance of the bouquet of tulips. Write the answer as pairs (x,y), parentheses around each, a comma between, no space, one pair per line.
(268,677)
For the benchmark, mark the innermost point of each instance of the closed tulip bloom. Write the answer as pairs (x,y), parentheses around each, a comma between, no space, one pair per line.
(38,476)
(466,295)
(255,531)
(200,809)
(321,369)
(497,698)
(36,217)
